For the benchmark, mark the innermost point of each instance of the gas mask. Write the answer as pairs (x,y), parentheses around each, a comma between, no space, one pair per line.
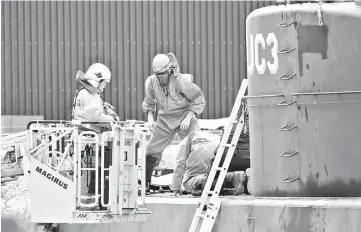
(163,78)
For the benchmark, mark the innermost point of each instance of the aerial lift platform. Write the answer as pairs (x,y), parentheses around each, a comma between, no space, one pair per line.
(55,157)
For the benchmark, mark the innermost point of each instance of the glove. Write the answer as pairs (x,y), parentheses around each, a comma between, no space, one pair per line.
(110,110)
(185,123)
(107,105)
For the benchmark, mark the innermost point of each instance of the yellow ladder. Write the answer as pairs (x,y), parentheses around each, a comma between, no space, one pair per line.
(209,205)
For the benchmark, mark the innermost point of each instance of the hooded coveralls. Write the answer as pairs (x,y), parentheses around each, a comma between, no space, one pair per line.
(194,159)
(194,162)
(176,100)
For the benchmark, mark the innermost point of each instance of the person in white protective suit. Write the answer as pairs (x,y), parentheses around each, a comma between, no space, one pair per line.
(179,100)
(193,164)
(89,106)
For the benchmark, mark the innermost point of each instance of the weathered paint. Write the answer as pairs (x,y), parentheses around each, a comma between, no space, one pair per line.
(318,43)
(309,109)
(44,43)
(246,214)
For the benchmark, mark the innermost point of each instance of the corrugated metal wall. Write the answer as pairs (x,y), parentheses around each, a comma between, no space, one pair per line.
(45,43)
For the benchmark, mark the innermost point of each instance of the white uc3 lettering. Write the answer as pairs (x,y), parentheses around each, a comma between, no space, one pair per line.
(254,44)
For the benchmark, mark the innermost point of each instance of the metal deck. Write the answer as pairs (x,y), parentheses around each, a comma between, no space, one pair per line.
(245,214)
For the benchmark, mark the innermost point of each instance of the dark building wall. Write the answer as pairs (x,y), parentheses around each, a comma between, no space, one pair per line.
(45,43)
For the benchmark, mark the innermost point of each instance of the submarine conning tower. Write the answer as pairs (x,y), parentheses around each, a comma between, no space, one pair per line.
(304,71)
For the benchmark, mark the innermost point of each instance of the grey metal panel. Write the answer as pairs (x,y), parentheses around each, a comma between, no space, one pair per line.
(54,91)
(113,50)
(126,60)
(218,85)
(241,56)
(146,41)
(228,53)
(67,64)
(224,82)
(14,58)
(120,57)
(133,62)
(40,44)
(21,49)
(61,61)
(3,59)
(197,72)
(103,37)
(34,76)
(178,33)
(140,46)
(191,45)
(75,45)
(204,72)
(48,58)
(210,60)
(235,62)
(184,36)
(27,56)
(55,39)
(7,57)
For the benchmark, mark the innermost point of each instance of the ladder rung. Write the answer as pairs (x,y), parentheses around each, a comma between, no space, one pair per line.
(88,169)
(92,197)
(217,169)
(87,140)
(226,145)
(200,215)
(211,192)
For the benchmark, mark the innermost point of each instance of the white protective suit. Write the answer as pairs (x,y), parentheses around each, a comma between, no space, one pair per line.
(88,105)
(194,158)
(175,101)
(176,97)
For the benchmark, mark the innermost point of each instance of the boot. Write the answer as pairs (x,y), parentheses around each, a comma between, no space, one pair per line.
(235,180)
(147,188)
(199,186)
(91,188)
(149,167)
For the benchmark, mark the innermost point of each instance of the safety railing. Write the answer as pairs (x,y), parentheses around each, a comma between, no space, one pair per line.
(56,143)
(87,138)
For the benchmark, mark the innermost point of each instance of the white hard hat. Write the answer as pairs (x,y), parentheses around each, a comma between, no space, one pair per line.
(98,72)
(160,63)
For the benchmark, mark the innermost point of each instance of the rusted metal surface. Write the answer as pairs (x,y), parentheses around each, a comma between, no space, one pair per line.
(305,110)
(246,214)
(44,43)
